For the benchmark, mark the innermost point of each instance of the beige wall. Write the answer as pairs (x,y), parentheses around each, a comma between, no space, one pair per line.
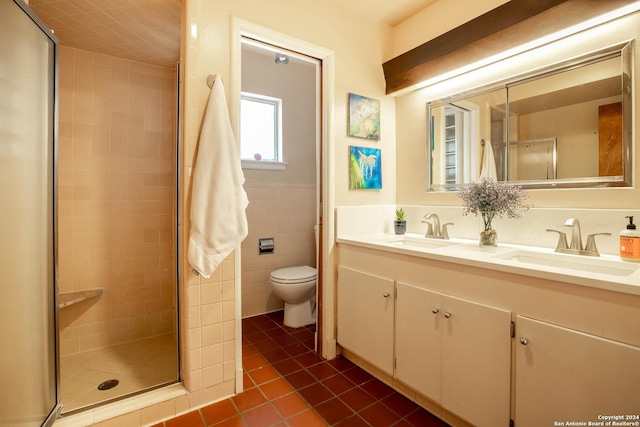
(116,199)
(437,19)
(411,127)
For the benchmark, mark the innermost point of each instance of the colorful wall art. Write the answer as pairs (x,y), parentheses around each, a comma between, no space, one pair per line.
(364,117)
(365,168)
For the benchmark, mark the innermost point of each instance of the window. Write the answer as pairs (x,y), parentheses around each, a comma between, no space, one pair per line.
(261,132)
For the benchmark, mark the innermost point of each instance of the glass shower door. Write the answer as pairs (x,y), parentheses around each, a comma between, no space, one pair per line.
(27,133)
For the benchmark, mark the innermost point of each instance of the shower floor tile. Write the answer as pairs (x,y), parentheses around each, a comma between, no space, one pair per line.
(137,366)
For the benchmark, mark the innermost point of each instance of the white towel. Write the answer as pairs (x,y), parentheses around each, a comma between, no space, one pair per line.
(488,168)
(218,199)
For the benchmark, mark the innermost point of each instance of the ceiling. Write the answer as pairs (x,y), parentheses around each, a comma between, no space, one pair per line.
(390,12)
(149,30)
(140,30)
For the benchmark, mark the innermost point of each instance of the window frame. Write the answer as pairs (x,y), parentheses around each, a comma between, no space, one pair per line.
(279,163)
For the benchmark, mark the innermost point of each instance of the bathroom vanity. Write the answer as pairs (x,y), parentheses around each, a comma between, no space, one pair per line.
(481,336)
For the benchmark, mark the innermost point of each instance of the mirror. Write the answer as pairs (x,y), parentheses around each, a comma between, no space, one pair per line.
(563,126)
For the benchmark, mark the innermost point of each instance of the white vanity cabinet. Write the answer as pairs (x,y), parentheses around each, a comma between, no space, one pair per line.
(572,375)
(456,352)
(365,316)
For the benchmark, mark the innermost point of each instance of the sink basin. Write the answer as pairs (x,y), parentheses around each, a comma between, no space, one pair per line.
(571,262)
(418,242)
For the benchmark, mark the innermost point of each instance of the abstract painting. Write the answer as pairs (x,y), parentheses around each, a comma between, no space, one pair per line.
(364,117)
(365,168)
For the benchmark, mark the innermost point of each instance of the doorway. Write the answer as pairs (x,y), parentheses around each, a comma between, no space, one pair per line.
(285,194)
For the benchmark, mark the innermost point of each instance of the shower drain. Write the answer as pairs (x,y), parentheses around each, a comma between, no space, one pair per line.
(108,384)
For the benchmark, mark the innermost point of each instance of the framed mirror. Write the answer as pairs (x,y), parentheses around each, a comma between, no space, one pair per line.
(567,125)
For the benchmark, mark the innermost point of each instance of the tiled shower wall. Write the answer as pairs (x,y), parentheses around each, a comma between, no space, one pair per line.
(117,174)
(287,213)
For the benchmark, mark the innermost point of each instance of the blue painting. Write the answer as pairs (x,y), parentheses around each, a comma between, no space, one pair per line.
(365,168)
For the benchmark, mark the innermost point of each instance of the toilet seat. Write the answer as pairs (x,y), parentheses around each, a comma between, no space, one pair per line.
(293,275)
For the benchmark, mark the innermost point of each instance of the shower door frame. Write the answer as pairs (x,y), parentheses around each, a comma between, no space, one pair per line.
(52,249)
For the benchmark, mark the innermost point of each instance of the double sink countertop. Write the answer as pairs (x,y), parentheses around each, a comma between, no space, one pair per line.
(604,272)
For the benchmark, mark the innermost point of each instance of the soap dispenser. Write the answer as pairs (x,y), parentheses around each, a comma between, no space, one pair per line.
(630,242)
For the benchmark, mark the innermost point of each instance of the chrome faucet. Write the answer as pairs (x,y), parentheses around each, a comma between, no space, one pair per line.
(576,247)
(434,231)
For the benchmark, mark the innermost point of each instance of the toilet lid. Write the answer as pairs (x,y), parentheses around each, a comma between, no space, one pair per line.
(294,274)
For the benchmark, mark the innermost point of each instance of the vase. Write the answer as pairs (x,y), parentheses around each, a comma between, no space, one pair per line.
(400,227)
(489,237)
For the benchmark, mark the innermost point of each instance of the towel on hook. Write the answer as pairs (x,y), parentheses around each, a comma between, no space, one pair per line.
(218,199)
(488,168)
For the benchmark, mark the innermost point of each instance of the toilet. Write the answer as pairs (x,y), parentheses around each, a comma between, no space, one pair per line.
(296,286)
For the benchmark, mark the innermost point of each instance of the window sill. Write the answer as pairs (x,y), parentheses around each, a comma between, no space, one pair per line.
(274,166)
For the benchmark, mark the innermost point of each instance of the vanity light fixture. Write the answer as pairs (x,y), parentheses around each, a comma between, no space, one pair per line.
(527,47)
(281,59)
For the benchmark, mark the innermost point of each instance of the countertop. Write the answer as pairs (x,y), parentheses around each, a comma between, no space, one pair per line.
(604,272)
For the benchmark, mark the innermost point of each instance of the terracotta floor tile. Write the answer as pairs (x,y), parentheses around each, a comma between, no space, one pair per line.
(247,382)
(290,405)
(264,374)
(248,399)
(379,415)
(403,423)
(306,419)
(340,364)
(357,399)
(300,379)
(236,421)
(262,416)
(315,394)
(218,411)
(276,355)
(191,419)
(333,410)
(266,345)
(255,337)
(322,371)
(399,404)
(422,418)
(253,362)
(248,351)
(287,367)
(354,421)
(276,388)
(358,375)
(287,339)
(295,349)
(308,359)
(338,384)
(377,388)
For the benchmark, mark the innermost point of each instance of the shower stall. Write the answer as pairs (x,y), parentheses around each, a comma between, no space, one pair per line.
(88,173)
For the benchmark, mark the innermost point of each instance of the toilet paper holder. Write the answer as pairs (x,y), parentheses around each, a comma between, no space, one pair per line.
(266,246)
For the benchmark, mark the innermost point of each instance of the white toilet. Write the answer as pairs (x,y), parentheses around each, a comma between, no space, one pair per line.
(296,286)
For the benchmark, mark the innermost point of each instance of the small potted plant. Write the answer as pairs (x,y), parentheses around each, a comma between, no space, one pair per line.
(400,223)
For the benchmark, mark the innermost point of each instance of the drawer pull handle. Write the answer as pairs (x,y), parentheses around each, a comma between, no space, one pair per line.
(524,341)
(447,314)
(386,294)
(435,310)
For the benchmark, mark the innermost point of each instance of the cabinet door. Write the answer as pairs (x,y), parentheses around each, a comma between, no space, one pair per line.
(562,374)
(476,362)
(419,340)
(365,316)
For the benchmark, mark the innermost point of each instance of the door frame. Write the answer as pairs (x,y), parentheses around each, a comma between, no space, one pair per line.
(325,339)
